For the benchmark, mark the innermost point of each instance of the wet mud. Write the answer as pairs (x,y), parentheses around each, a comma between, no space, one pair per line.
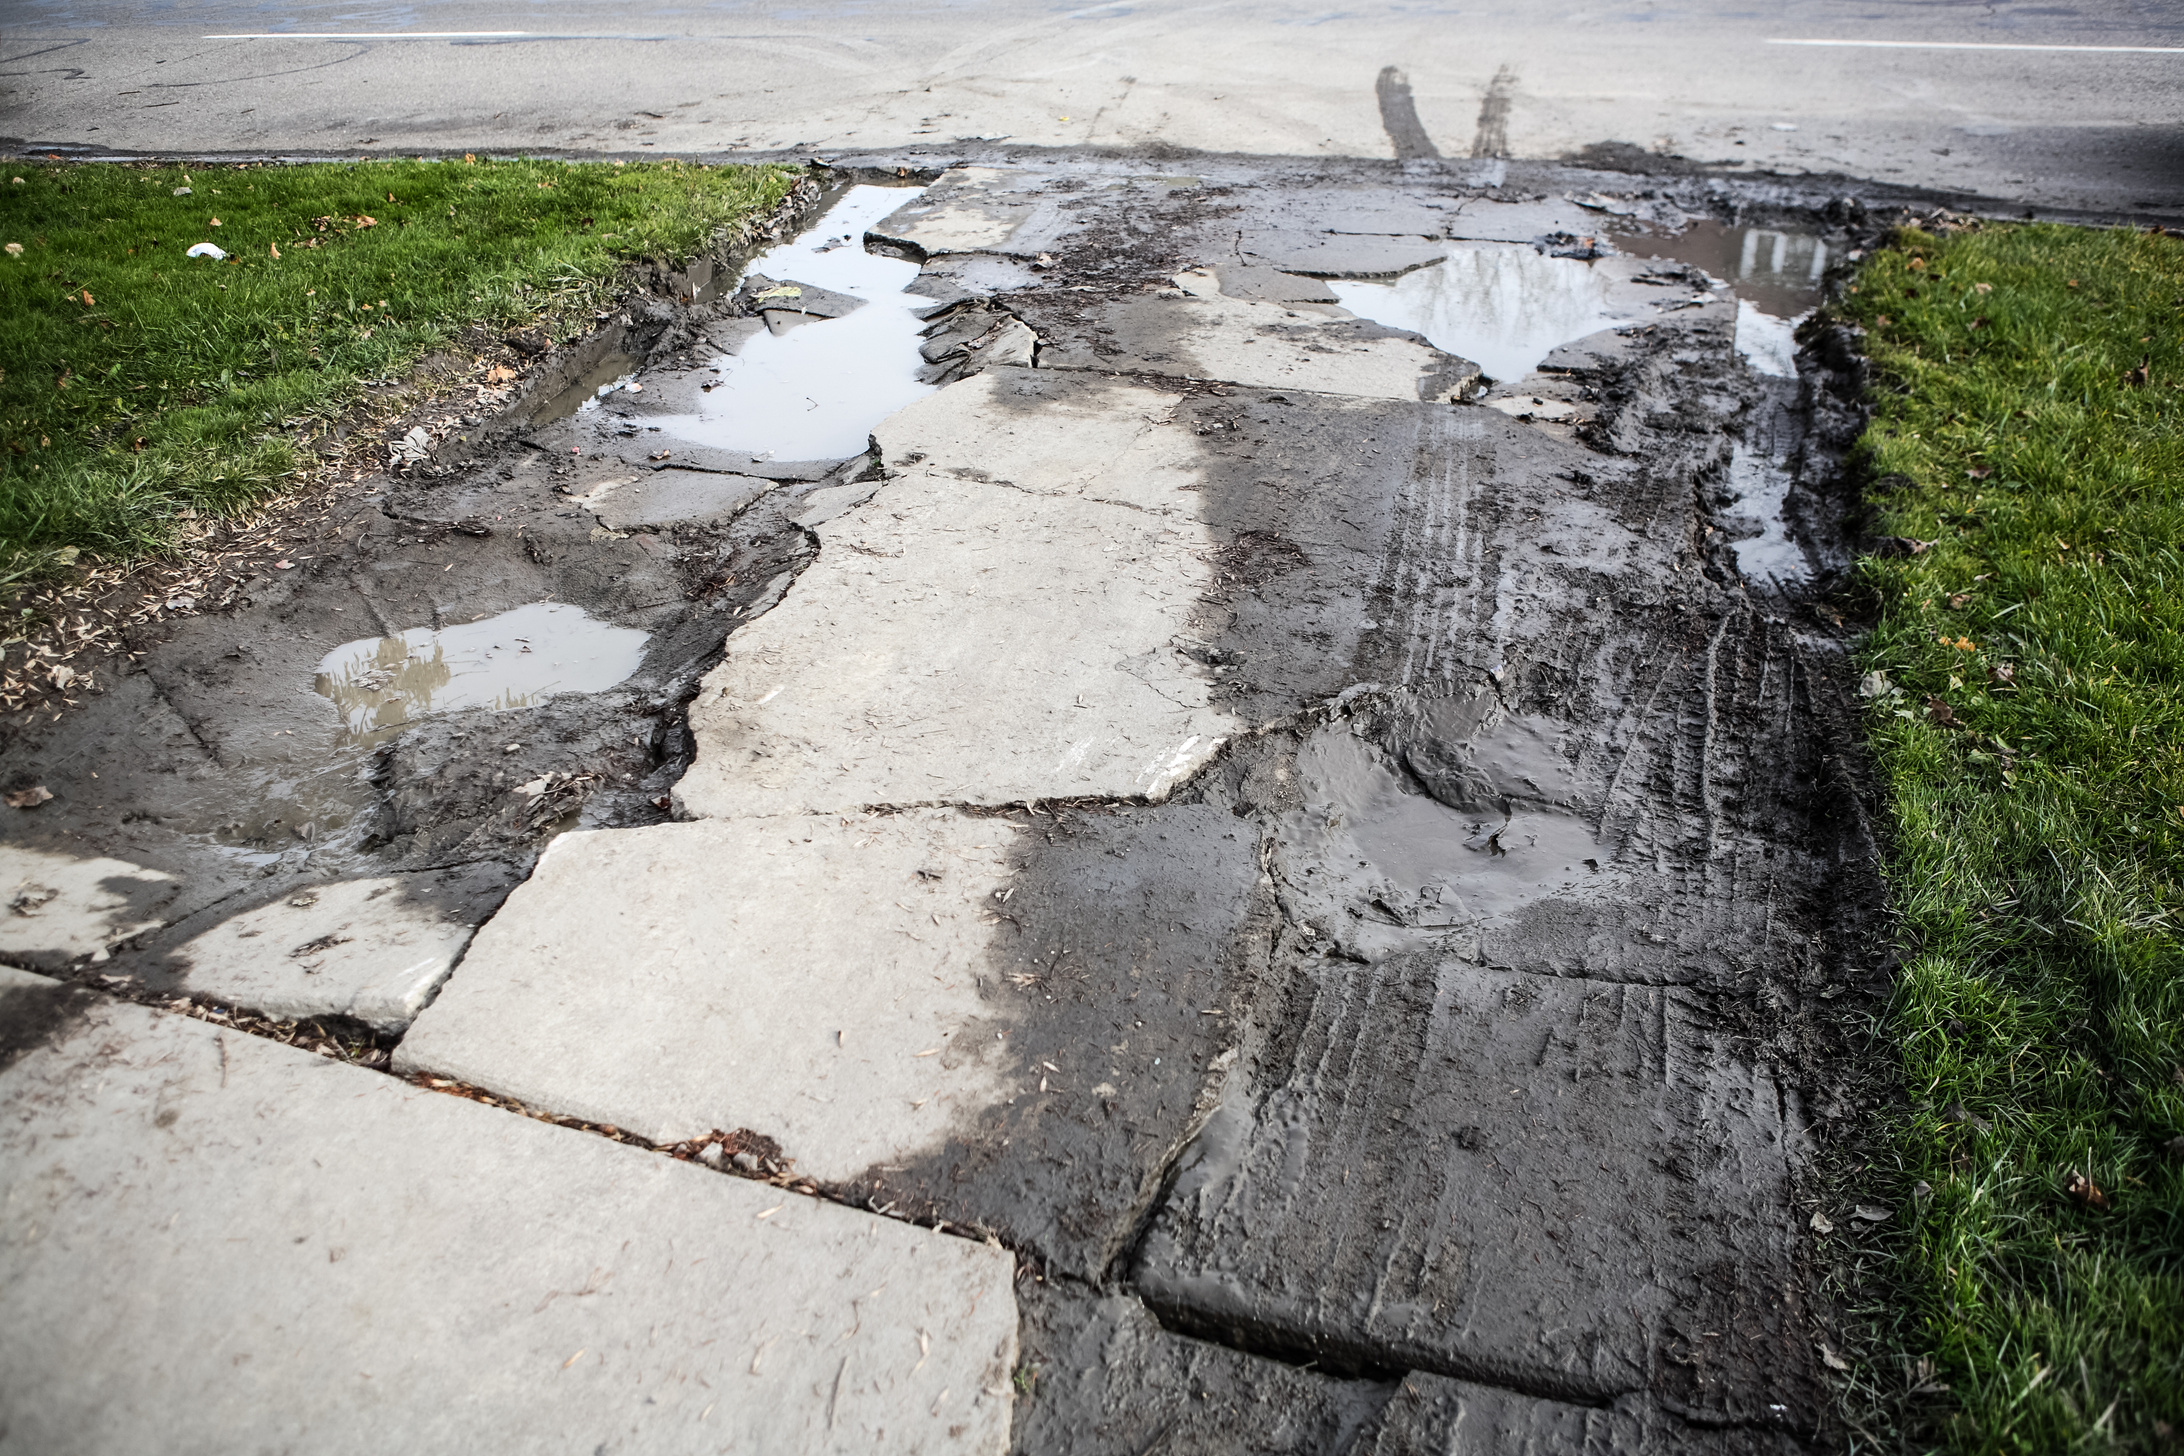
(1444,1048)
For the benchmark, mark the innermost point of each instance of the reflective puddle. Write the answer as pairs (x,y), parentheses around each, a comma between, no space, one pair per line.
(1762,487)
(1776,271)
(595,384)
(816,391)
(514,659)
(1503,306)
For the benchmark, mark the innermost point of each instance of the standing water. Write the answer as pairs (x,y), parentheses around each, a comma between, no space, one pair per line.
(1503,306)
(381,684)
(815,392)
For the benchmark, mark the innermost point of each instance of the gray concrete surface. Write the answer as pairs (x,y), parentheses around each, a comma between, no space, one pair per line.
(372,950)
(209,1241)
(2037,109)
(1491,757)
(62,907)
(933,660)
(673,981)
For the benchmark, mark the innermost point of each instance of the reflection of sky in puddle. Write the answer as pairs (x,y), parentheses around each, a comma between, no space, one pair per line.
(816,391)
(1502,306)
(1762,489)
(506,661)
(1775,271)
(1767,344)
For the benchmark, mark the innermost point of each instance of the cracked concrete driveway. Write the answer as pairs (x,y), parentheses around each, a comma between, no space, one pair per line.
(1255,843)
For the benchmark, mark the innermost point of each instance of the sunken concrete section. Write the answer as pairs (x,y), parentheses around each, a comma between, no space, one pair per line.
(1559,1230)
(1263,344)
(373,950)
(997,625)
(209,1241)
(1009,1023)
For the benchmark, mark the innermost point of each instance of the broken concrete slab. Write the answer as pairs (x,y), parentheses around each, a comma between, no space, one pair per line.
(851,1038)
(1434,1413)
(1559,1231)
(210,1240)
(924,1039)
(373,950)
(61,907)
(985,630)
(633,500)
(967,210)
(1338,255)
(1264,345)
(1264,285)
(1107,1380)
(785,303)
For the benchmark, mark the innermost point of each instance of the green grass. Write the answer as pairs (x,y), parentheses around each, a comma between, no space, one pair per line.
(142,385)
(2038,849)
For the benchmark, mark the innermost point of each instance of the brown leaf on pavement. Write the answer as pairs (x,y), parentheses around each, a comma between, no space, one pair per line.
(29,798)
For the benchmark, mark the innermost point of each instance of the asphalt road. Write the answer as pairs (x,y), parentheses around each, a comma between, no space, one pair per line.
(2041,103)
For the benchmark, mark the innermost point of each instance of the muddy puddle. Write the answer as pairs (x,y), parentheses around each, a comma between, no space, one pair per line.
(1504,306)
(815,391)
(594,384)
(1775,270)
(380,685)
(1379,853)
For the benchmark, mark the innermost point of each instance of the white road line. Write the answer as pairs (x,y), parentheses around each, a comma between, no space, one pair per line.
(384,35)
(1970,45)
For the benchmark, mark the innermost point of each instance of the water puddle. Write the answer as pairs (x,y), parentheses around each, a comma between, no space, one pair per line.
(1768,345)
(1776,271)
(593,385)
(1503,306)
(815,392)
(1762,489)
(1379,860)
(511,660)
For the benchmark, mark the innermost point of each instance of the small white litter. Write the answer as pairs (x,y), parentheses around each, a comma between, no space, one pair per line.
(412,447)
(206,250)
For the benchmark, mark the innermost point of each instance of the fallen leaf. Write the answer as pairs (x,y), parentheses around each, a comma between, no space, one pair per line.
(2134,377)
(499,374)
(15,250)
(1832,1360)
(2086,1191)
(29,798)
(365,222)
(1822,1224)
(1941,714)
(1980,472)
(1868,1213)
(276,247)
(88,300)
(2002,675)
(1982,288)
